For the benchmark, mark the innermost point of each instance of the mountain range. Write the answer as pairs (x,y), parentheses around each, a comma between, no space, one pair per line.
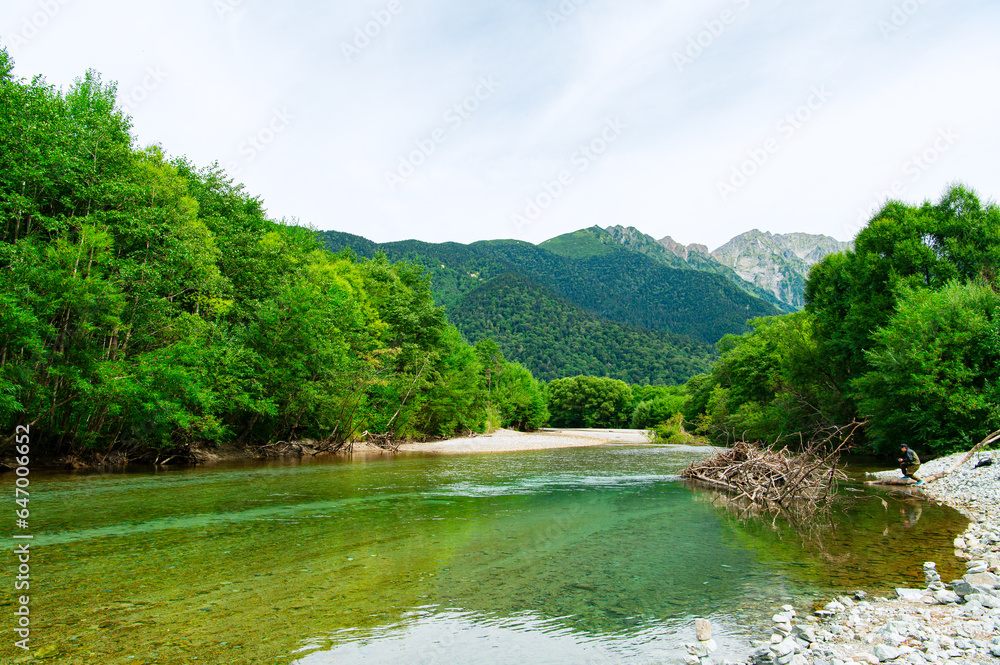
(608,301)
(771,267)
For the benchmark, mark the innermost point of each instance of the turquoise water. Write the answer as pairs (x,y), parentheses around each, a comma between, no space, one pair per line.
(585,555)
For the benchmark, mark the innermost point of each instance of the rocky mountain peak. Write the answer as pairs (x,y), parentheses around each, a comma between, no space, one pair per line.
(778,262)
(683,251)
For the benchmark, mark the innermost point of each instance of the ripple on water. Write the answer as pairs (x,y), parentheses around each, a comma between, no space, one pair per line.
(597,553)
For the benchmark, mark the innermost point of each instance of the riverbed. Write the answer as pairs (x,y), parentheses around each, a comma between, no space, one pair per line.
(574,555)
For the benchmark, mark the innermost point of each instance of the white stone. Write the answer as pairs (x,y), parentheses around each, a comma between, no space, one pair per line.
(945,597)
(913,595)
(785,647)
(702,649)
(884,652)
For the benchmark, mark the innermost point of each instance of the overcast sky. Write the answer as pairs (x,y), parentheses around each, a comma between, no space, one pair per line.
(470,120)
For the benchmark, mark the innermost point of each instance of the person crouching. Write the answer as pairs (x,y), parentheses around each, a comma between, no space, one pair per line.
(909,462)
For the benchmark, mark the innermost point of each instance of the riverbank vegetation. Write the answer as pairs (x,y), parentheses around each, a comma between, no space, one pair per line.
(903,330)
(147,305)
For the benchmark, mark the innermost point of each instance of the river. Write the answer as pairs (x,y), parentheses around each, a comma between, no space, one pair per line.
(578,555)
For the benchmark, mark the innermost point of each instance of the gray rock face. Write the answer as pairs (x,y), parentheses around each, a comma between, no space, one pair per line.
(762,656)
(675,255)
(806,634)
(779,263)
(784,648)
(702,649)
(962,588)
(991,602)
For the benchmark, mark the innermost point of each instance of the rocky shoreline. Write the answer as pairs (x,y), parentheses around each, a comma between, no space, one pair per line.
(956,623)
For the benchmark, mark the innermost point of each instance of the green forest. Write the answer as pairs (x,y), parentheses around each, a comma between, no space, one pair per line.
(556,339)
(147,305)
(903,332)
(597,310)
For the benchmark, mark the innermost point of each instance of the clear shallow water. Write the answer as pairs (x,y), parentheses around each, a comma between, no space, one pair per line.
(587,555)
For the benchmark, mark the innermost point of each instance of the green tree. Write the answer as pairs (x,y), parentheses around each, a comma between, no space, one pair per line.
(588,401)
(854,293)
(520,398)
(147,305)
(935,378)
(768,383)
(652,412)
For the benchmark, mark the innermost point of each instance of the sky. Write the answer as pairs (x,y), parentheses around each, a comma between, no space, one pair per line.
(472,120)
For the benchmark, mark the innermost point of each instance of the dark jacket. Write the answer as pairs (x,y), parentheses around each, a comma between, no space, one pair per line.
(910,458)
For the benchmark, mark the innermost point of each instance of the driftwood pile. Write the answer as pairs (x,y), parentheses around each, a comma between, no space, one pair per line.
(778,481)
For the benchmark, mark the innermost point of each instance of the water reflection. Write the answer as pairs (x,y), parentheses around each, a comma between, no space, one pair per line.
(438,637)
(600,553)
(868,538)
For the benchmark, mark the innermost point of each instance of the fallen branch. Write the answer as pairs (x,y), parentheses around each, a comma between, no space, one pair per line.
(779,481)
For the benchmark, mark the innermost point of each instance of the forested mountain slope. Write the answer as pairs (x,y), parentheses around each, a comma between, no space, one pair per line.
(624,287)
(595,241)
(556,339)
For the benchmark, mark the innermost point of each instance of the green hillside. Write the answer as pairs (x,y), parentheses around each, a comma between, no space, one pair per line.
(581,244)
(595,241)
(622,286)
(557,339)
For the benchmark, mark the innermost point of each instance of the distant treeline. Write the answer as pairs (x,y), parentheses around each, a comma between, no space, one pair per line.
(146,305)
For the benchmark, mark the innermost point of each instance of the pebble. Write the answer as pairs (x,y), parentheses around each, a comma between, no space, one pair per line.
(953,624)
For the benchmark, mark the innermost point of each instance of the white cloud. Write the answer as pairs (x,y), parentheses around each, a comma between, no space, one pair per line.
(227,76)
